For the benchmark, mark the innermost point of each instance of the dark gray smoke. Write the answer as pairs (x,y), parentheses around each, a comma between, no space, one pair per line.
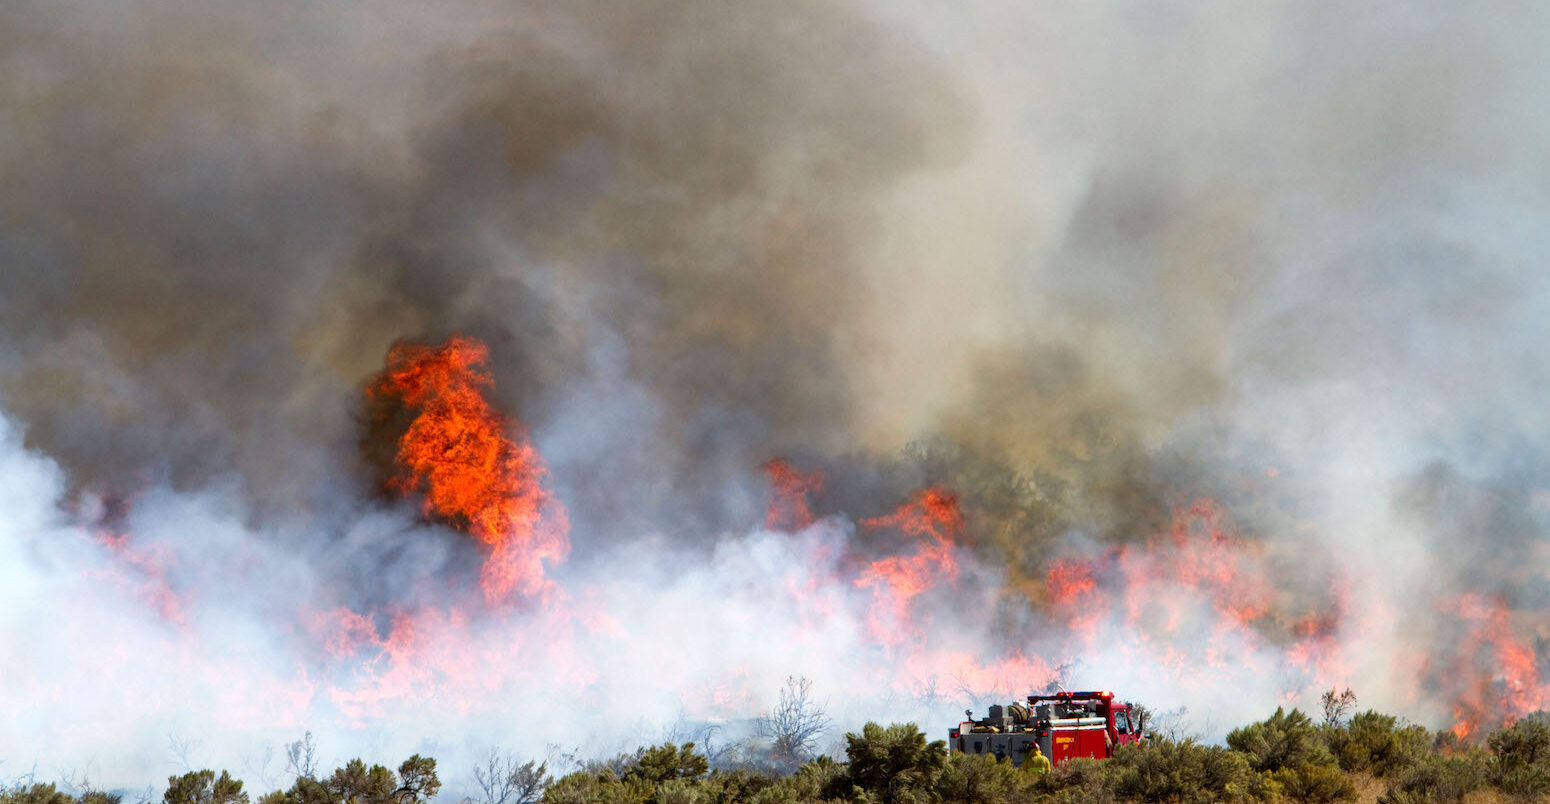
(218,223)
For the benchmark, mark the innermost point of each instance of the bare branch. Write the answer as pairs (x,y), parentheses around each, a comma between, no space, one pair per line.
(181,749)
(1337,705)
(257,766)
(529,782)
(503,781)
(301,758)
(795,724)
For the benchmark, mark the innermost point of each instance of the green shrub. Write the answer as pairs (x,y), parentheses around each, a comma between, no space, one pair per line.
(304,791)
(1265,787)
(1522,756)
(1285,740)
(731,787)
(660,763)
(1531,782)
(596,787)
(1521,745)
(681,791)
(1079,780)
(980,779)
(1377,744)
(417,781)
(202,787)
(1319,783)
(356,783)
(778,794)
(34,794)
(895,764)
(1437,778)
(1183,771)
(816,779)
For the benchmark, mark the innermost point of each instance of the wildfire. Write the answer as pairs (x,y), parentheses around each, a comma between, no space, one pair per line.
(789,490)
(1192,596)
(896,580)
(1196,601)
(1499,674)
(145,571)
(140,568)
(472,465)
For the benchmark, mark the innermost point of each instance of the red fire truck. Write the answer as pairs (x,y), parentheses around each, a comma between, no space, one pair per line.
(1065,725)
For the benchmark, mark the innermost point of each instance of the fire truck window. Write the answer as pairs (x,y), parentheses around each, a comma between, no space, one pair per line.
(1121,723)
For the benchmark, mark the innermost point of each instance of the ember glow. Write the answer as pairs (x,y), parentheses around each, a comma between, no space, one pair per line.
(481,367)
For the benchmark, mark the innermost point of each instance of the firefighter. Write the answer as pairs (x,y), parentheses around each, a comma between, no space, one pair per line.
(1036,763)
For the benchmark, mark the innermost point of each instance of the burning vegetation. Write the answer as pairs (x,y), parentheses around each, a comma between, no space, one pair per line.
(1199,602)
(469,465)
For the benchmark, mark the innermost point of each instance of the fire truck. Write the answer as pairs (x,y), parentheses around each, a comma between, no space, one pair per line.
(1065,725)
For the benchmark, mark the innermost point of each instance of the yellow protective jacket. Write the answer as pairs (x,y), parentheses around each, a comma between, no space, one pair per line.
(1037,764)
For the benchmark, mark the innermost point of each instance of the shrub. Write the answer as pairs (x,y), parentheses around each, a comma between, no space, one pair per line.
(778,794)
(202,787)
(1285,740)
(1531,782)
(726,787)
(817,779)
(895,764)
(1079,780)
(979,779)
(794,726)
(1521,745)
(681,791)
(595,787)
(1183,770)
(1265,787)
(1437,778)
(306,790)
(34,794)
(1522,755)
(667,761)
(1320,783)
(664,774)
(1376,743)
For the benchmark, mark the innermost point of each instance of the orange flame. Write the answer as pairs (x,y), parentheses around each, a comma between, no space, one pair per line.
(463,456)
(789,490)
(896,580)
(1498,672)
(1197,577)
(151,566)
(139,568)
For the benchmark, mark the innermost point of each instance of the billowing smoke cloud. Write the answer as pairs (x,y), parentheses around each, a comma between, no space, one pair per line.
(1224,329)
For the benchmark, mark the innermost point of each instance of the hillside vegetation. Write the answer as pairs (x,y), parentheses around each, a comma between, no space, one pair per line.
(1286,757)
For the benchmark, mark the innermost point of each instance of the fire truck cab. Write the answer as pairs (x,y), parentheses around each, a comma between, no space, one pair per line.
(1065,725)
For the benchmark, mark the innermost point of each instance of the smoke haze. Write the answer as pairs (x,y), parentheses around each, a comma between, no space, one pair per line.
(1223,329)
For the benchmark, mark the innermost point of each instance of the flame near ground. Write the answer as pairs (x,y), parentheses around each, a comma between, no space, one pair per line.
(1176,618)
(564,376)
